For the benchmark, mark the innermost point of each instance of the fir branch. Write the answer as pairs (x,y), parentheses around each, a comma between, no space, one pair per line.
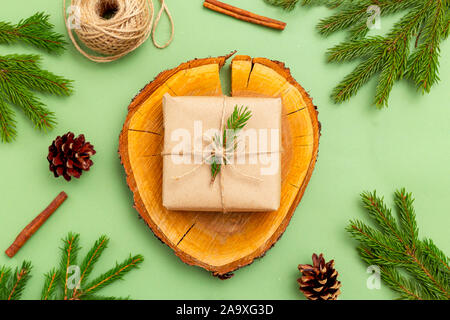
(7,122)
(290,4)
(33,108)
(216,166)
(239,118)
(353,16)
(19,74)
(353,49)
(348,16)
(112,275)
(356,79)
(404,202)
(423,65)
(90,260)
(84,291)
(35,30)
(425,21)
(104,298)
(56,285)
(25,70)
(50,286)
(396,246)
(388,249)
(18,280)
(285,4)
(5,274)
(407,289)
(433,252)
(235,122)
(69,257)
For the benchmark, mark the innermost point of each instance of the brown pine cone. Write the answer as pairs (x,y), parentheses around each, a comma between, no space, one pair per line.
(319,281)
(69,156)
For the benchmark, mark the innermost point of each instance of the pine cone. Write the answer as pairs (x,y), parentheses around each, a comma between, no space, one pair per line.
(69,156)
(319,281)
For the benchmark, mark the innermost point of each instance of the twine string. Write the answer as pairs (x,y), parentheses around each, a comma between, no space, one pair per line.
(172,26)
(130,25)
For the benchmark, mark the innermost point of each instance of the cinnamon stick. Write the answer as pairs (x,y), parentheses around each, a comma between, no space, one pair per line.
(34,225)
(243,15)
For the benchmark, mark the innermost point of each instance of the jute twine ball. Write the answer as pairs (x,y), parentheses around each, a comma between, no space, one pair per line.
(112,28)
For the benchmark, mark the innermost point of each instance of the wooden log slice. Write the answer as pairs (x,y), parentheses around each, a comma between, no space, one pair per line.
(220,243)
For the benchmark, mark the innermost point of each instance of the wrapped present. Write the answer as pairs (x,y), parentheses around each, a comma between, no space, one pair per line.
(222,154)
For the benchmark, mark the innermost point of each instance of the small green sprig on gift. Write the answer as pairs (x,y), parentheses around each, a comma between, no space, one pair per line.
(410,50)
(235,123)
(61,283)
(414,268)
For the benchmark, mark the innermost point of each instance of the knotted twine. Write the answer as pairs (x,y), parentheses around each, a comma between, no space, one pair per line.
(128,27)
(217,152)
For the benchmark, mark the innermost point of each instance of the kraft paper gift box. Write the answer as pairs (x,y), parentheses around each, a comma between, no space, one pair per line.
(250,181)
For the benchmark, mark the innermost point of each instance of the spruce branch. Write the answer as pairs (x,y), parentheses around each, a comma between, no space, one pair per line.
(25,70)
(423,65)
(104,298)
(290,4)
(82,289)
(35,30)
(356,79)
(90,260)
(56,284)
(396,249)
(19,75)
(69,257)
(5,274)
(12,284)
(116,273)
(235,123)
(425,23)
(50,285)
(353,49)
(7,122)
(285,4)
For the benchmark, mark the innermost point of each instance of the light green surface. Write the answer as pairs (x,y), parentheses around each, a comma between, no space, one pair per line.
(361,148)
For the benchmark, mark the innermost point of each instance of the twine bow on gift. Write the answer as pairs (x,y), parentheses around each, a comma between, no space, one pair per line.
(222,149)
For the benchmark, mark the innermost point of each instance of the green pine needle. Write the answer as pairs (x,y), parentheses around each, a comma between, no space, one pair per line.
(35,30)
(414,268)
(423,27)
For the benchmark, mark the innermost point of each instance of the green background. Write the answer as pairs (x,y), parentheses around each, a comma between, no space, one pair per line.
(361,148)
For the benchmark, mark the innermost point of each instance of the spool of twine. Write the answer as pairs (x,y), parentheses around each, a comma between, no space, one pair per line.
(113,28)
